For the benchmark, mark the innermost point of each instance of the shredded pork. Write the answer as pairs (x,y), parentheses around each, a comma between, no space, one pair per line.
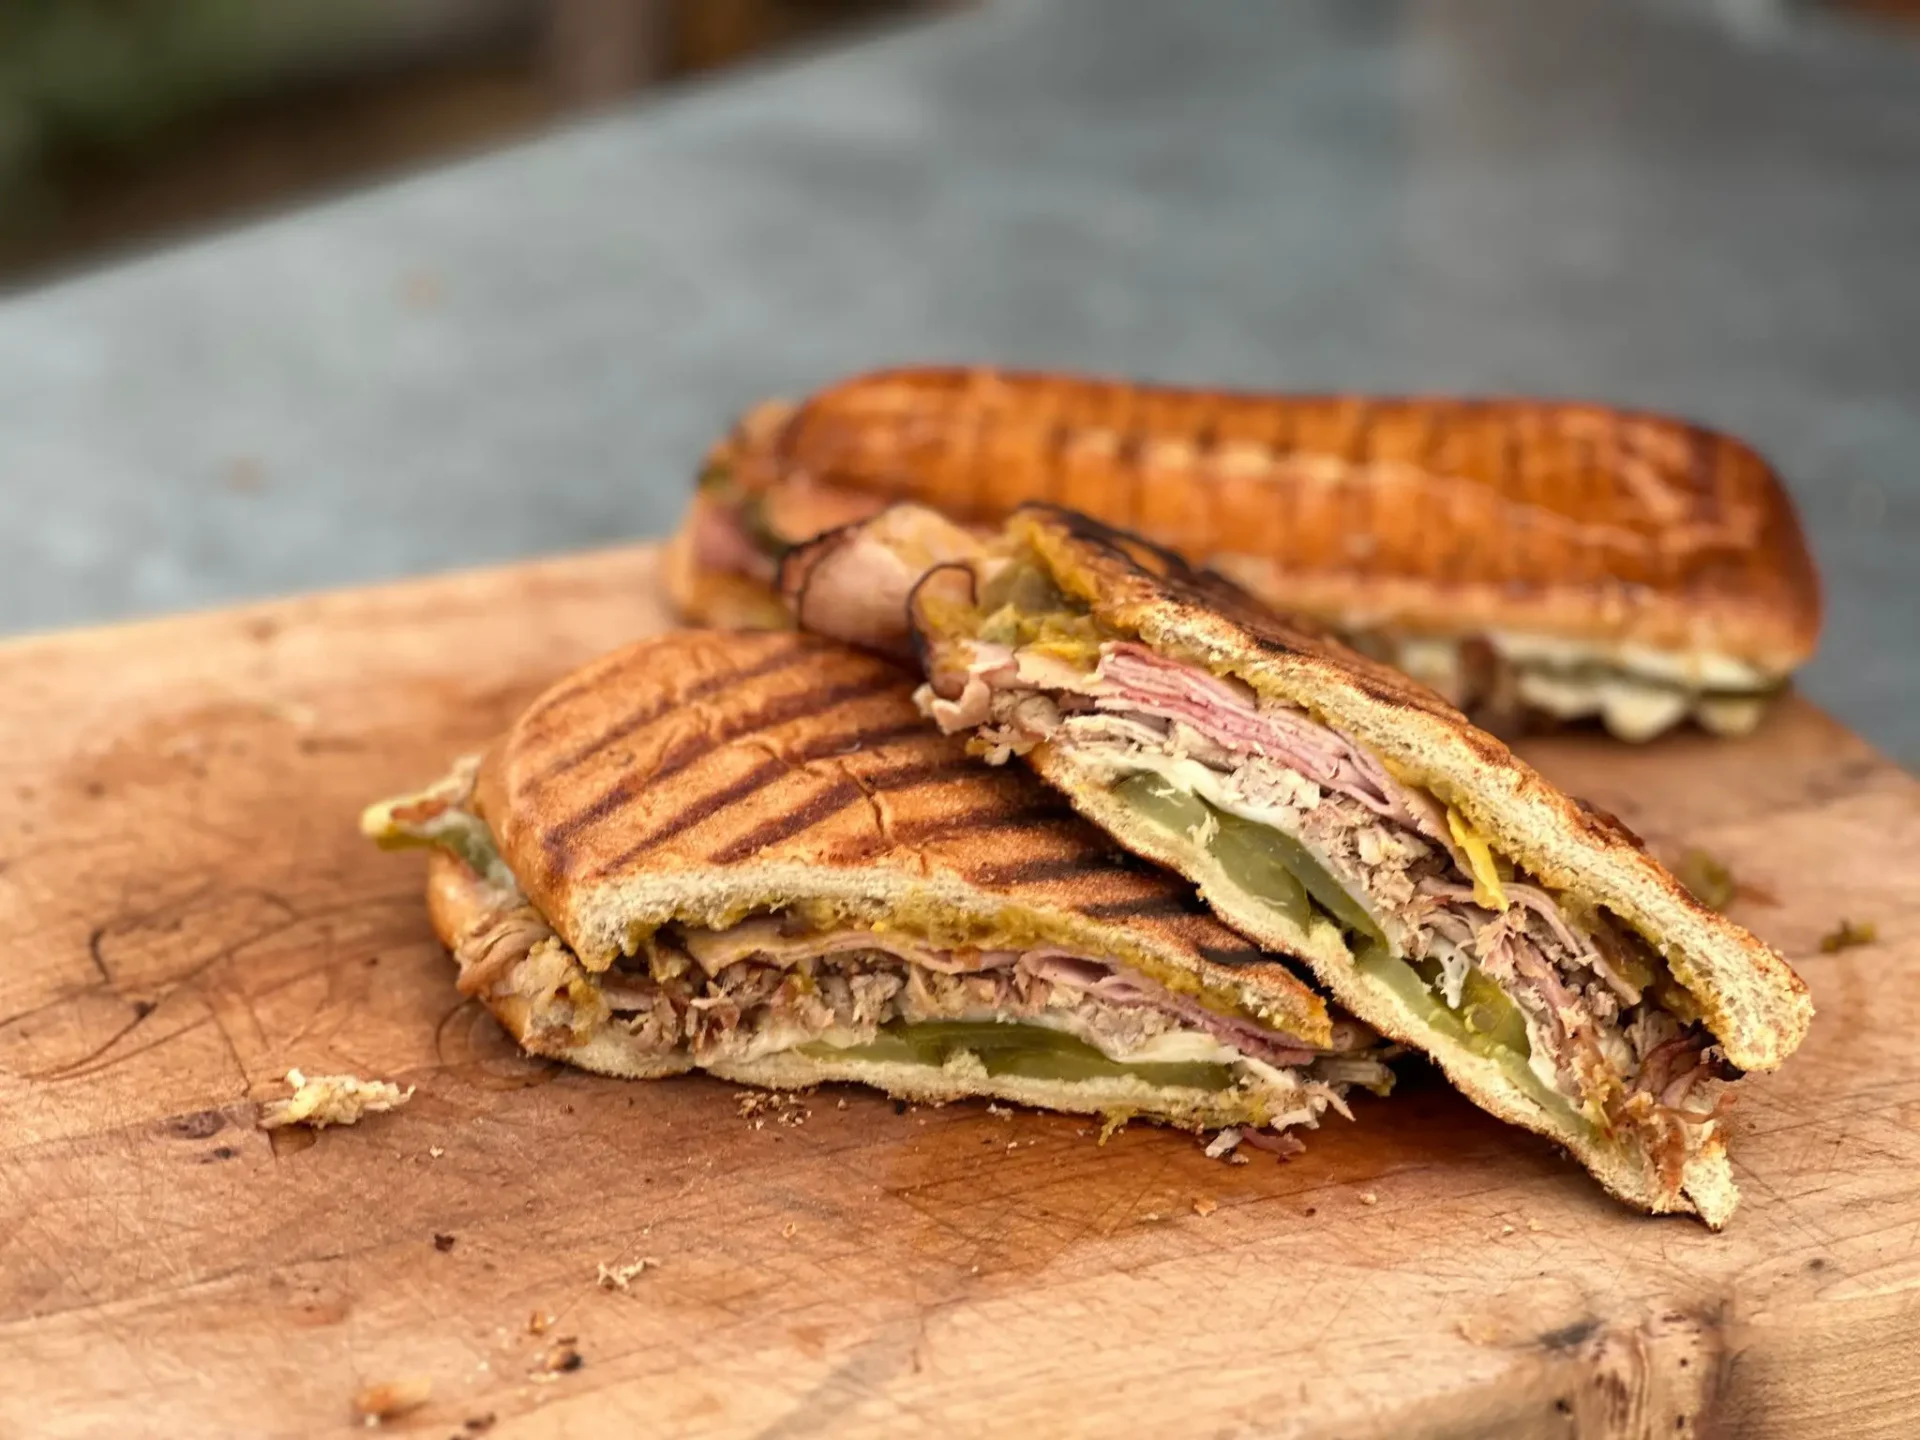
(1595,1036)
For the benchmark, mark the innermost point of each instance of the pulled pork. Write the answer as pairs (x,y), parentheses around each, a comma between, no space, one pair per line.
(1597,1034)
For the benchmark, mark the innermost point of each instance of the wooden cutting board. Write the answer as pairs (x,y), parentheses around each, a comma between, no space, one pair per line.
(190,912)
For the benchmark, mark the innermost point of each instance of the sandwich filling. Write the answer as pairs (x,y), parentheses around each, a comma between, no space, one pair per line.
(851,997)
(1577,1009)
(1503,680)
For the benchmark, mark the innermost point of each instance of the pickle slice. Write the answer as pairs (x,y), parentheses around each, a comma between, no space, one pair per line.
(1010,1048)
(1026,587)
(1262,860)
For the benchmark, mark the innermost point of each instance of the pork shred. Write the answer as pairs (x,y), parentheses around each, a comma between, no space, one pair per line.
(727,999)
(1597,1038)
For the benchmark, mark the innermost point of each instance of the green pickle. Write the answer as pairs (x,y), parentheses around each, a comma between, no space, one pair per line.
(1026,587)
(1274,866)
(1262,860)
(1033,1051)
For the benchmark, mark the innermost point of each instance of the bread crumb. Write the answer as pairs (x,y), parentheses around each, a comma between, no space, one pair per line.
(1223,1144)
(841,1104)
(443,1243)
(562,1359)
(479,1423)
(1203,1206)
(1533,1225)
(788,1230)
(1506,1229)
(388,1399)
(1112,1124)
(999,1111)
(538,1322)
(434,1152)
(323,1100)
(618,1277)
(1847,935)
(1151,1216)
(1367,1197)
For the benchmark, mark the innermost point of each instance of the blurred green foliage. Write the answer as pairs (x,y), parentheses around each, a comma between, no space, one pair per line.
(114,73)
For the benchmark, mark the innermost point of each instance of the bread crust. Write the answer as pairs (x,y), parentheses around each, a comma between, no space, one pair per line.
(1751,999)
(1423,515)
(700,775)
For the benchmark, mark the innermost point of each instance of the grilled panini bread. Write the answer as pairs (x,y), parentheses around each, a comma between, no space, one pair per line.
(750,854)
(1334,810)
(1528,559)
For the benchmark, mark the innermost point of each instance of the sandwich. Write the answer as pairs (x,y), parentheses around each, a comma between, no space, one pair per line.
(751,855)
(1532,561)
(1333,810)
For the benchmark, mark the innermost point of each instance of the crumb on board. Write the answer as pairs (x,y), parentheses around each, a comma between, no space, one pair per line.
(386,1400)
(323,1100)
(560,1359)
(1001,1112)
(788,1230)
(442,1242)
(1204,1205)
(538,1322)
(784,1108)
(1112,1123)
(478,1424)
(434,1152)
(1223,1144)
(619,1277)
(1846,935)
(1367,1197)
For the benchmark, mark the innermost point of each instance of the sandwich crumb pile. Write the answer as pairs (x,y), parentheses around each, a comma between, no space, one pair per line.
(749,854)
(1532,561)
(1335,811)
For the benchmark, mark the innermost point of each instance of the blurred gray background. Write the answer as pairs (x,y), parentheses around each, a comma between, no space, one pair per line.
(1713,210)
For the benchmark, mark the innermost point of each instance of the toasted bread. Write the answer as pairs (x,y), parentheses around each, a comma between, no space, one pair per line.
(699,776)
(1756,1008)
(1420,515)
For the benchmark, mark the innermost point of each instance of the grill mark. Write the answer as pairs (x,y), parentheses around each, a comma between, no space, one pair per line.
(840,795)
(820,748)
(1038,869)
(1153,907)
(800,706)
(786,656)
(1053,462)
(707,806)
(782,711)
(1035,811)
(1127,451)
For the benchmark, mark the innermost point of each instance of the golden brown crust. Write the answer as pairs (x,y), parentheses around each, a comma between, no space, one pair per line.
(1423,515)
(1753,1001)
(699,765)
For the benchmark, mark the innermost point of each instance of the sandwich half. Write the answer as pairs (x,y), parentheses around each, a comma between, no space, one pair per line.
(751,855)
(1331,809)
(1530,560)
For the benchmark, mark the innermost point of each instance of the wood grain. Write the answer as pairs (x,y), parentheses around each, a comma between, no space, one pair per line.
(191,912)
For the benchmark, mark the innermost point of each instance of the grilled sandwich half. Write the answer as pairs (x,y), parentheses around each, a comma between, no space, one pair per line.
(1530,560)
(751,855)
(1331,809)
